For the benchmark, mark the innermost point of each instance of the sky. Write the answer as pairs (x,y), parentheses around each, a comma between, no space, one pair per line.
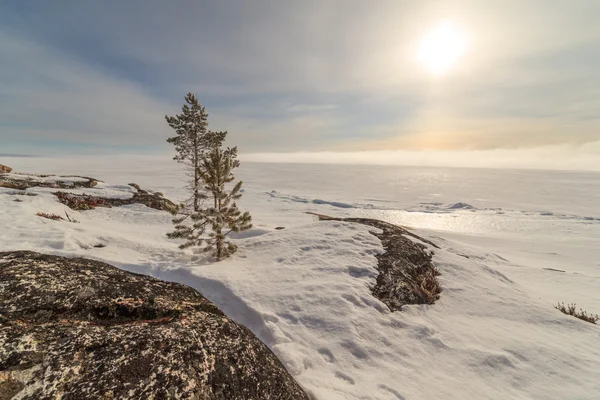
(323,80)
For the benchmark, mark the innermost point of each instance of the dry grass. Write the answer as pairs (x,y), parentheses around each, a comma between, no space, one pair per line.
(56,217)
(570,309)
(53,217)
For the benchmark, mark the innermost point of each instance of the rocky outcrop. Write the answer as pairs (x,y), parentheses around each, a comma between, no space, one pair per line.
(78,201)
(82,329)
(5,169)
(26,181)
(407,274)
(88,202)
(150,199)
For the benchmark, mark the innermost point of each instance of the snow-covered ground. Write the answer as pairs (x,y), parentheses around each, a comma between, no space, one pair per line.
(513,244)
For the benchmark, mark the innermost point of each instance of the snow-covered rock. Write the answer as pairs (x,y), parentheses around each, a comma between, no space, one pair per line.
(82,329)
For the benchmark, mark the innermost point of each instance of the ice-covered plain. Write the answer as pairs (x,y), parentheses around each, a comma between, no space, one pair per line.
(513,244)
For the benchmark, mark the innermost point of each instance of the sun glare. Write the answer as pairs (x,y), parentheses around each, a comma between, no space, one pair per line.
(442,48)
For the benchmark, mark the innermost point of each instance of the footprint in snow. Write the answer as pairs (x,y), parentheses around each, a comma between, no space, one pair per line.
(289,318)
(344,377)
(326,354)
(353,299)
(392,391)
(355,349)
(358,272)
(270,317)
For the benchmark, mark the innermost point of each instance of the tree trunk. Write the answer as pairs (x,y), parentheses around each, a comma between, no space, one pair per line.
(219,245)
(196,177)
(220,238)
(196,192)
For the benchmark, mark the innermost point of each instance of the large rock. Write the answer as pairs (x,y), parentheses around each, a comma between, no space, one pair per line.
(82,329)
(4,169)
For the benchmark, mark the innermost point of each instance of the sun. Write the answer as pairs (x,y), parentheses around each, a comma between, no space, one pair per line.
(442,48)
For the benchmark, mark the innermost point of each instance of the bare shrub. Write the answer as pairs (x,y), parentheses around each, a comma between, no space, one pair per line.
(570,309)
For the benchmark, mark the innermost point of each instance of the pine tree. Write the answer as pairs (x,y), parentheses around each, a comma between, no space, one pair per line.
(223,217)
(192,142)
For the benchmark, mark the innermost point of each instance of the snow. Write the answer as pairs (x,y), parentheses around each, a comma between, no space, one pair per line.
(46,178)
(505,237)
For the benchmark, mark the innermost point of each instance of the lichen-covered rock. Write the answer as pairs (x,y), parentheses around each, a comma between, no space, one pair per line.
(407,274)
(82,329)
(5,169)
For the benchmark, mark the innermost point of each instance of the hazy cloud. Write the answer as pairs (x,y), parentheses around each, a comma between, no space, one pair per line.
(47,96)
(558,157)
(304,76)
